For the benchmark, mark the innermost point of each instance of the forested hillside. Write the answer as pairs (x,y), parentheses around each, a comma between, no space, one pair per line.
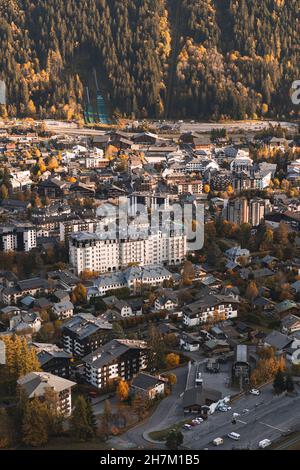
(180,58)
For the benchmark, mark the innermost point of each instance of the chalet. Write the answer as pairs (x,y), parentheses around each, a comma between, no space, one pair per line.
(31,287)
(83,190)
(201,400)
(63,310)
(210,308)
(148,386)
(277,340)
(25,321)
(290,324)
(52,188)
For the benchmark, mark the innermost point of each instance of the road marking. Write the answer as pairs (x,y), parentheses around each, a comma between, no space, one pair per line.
(243,422)
(273,427)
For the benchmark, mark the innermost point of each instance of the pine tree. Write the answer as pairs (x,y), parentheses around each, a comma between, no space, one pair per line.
(157,350)
(92,420)
(279,383)
(81,425)
(139,405)
(6,429)
(117,331)
(174,440)
(289,383)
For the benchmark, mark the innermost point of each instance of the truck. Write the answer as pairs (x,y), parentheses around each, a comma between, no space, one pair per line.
(218,441)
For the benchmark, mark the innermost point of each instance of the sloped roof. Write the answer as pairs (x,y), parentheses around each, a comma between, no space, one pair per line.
(36,383)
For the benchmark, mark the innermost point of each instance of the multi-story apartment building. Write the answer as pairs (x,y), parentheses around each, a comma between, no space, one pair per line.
(67,227)
(211,308)
(84,333)
(237,211)
(36,384)
(53,360)
(133,278)
(19,289)
(241,211)
(185,185)
(94,252)
(18,238)
(258,208)
(116,359)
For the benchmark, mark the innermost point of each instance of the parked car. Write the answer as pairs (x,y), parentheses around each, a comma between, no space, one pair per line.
(221,408)
(234,436)
(187,427)
(197,421)
(254,391)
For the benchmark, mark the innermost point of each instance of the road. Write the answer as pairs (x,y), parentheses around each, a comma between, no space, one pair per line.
(65,128)
(269,417)
(60,127)
(246,126)
(168,412)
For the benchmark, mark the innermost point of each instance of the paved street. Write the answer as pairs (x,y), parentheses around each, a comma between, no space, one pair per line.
(269,417)
(168,412)
(246,126)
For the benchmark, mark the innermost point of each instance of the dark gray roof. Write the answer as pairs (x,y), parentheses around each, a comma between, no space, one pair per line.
(110,352)
(278,340)
(145,381)
(85,325)
(199,396)
(34,283)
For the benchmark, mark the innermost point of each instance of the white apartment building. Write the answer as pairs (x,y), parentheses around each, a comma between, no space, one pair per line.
(94,252)
(211,308)
(17,238)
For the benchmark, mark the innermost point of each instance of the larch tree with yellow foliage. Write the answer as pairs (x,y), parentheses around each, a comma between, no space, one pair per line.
(20,358)
(122,390)
(52,164)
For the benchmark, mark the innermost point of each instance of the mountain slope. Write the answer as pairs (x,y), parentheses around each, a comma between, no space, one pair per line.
(217,58)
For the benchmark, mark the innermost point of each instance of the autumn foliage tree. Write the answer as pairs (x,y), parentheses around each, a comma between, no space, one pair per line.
(122,390)
(20,358)
(267,367)
(79,294)
(173,360)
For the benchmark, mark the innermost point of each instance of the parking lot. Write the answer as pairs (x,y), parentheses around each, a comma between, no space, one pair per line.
(260,417)
(218,381)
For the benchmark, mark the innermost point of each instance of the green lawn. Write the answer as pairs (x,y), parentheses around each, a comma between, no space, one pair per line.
(162,434)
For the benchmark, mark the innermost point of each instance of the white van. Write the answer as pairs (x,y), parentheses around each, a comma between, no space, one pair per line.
(234,436)
(265,443)
(218,441)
